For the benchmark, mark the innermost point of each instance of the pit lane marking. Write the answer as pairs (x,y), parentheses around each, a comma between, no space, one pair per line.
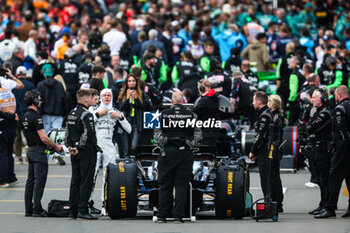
(49,176)
(11,213)
(10,201)
(258,188)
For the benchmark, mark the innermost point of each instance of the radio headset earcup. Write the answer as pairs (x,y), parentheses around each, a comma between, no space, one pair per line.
(202,88)
(324,95)
(35,98)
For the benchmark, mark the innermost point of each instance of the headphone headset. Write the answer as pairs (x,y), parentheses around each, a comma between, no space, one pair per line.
(324,95)
(36,100)
(201,87)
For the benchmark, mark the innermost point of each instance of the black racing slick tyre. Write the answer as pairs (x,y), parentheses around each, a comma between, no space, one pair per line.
(229,198)
(121,189)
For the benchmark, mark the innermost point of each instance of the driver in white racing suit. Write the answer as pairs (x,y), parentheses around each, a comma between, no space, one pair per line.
(106,117)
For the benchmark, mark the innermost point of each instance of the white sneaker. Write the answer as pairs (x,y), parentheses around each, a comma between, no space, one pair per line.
(4,185)
(311,185)
(103,211)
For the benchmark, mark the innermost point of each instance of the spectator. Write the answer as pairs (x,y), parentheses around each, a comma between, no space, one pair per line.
(17,58)
(96,81)
(284,39)
(115,38)
(68,70)
(153,34)
(12,83)
(24,29)
(133,102)
(258,52)
(30,51)
(21,74)
(53,96)
(7,46)
(43,59)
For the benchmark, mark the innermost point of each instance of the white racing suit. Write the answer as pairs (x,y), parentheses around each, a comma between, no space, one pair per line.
(104,127)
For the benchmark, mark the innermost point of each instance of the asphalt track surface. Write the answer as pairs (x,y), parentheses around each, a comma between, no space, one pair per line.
(298,201)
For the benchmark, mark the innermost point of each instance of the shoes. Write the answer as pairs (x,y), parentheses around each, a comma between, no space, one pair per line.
(325,214)
(28,214)
(92,209)
(311,185)
(347,214)
(280,210)
(4,185)
(72,216)
(86,216)
(43,213)
(13,183)
(178,220)
(161,220)
(316,211)
(103,211)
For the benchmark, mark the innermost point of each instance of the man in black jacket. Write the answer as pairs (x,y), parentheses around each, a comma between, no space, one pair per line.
(340,161)
(220,82)
(319,129)
(82,144)
(53,95)
(38,141)
(260,148)
(242,96)
(176,161)
(207,108)
(68,70)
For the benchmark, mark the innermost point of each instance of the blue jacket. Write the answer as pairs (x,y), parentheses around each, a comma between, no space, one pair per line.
(159,46)
(228,40)
(309,44)
(19,94)
(185,36)
(347,44)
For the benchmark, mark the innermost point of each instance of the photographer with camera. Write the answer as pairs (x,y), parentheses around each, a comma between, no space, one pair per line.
(176,159)
(319,129)
(8,80)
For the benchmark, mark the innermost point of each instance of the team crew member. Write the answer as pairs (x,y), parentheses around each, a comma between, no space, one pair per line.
(207,108)
(37,141)
(242,96)
(106,117)
(259,149)
(275,105)
(82,144)
(175,162)
(296,81)
(319,130)
(340,161)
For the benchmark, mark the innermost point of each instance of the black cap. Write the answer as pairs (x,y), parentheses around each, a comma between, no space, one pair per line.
(43,54)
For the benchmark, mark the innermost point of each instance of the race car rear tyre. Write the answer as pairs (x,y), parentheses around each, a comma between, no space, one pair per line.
(121,189)
(229,196)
